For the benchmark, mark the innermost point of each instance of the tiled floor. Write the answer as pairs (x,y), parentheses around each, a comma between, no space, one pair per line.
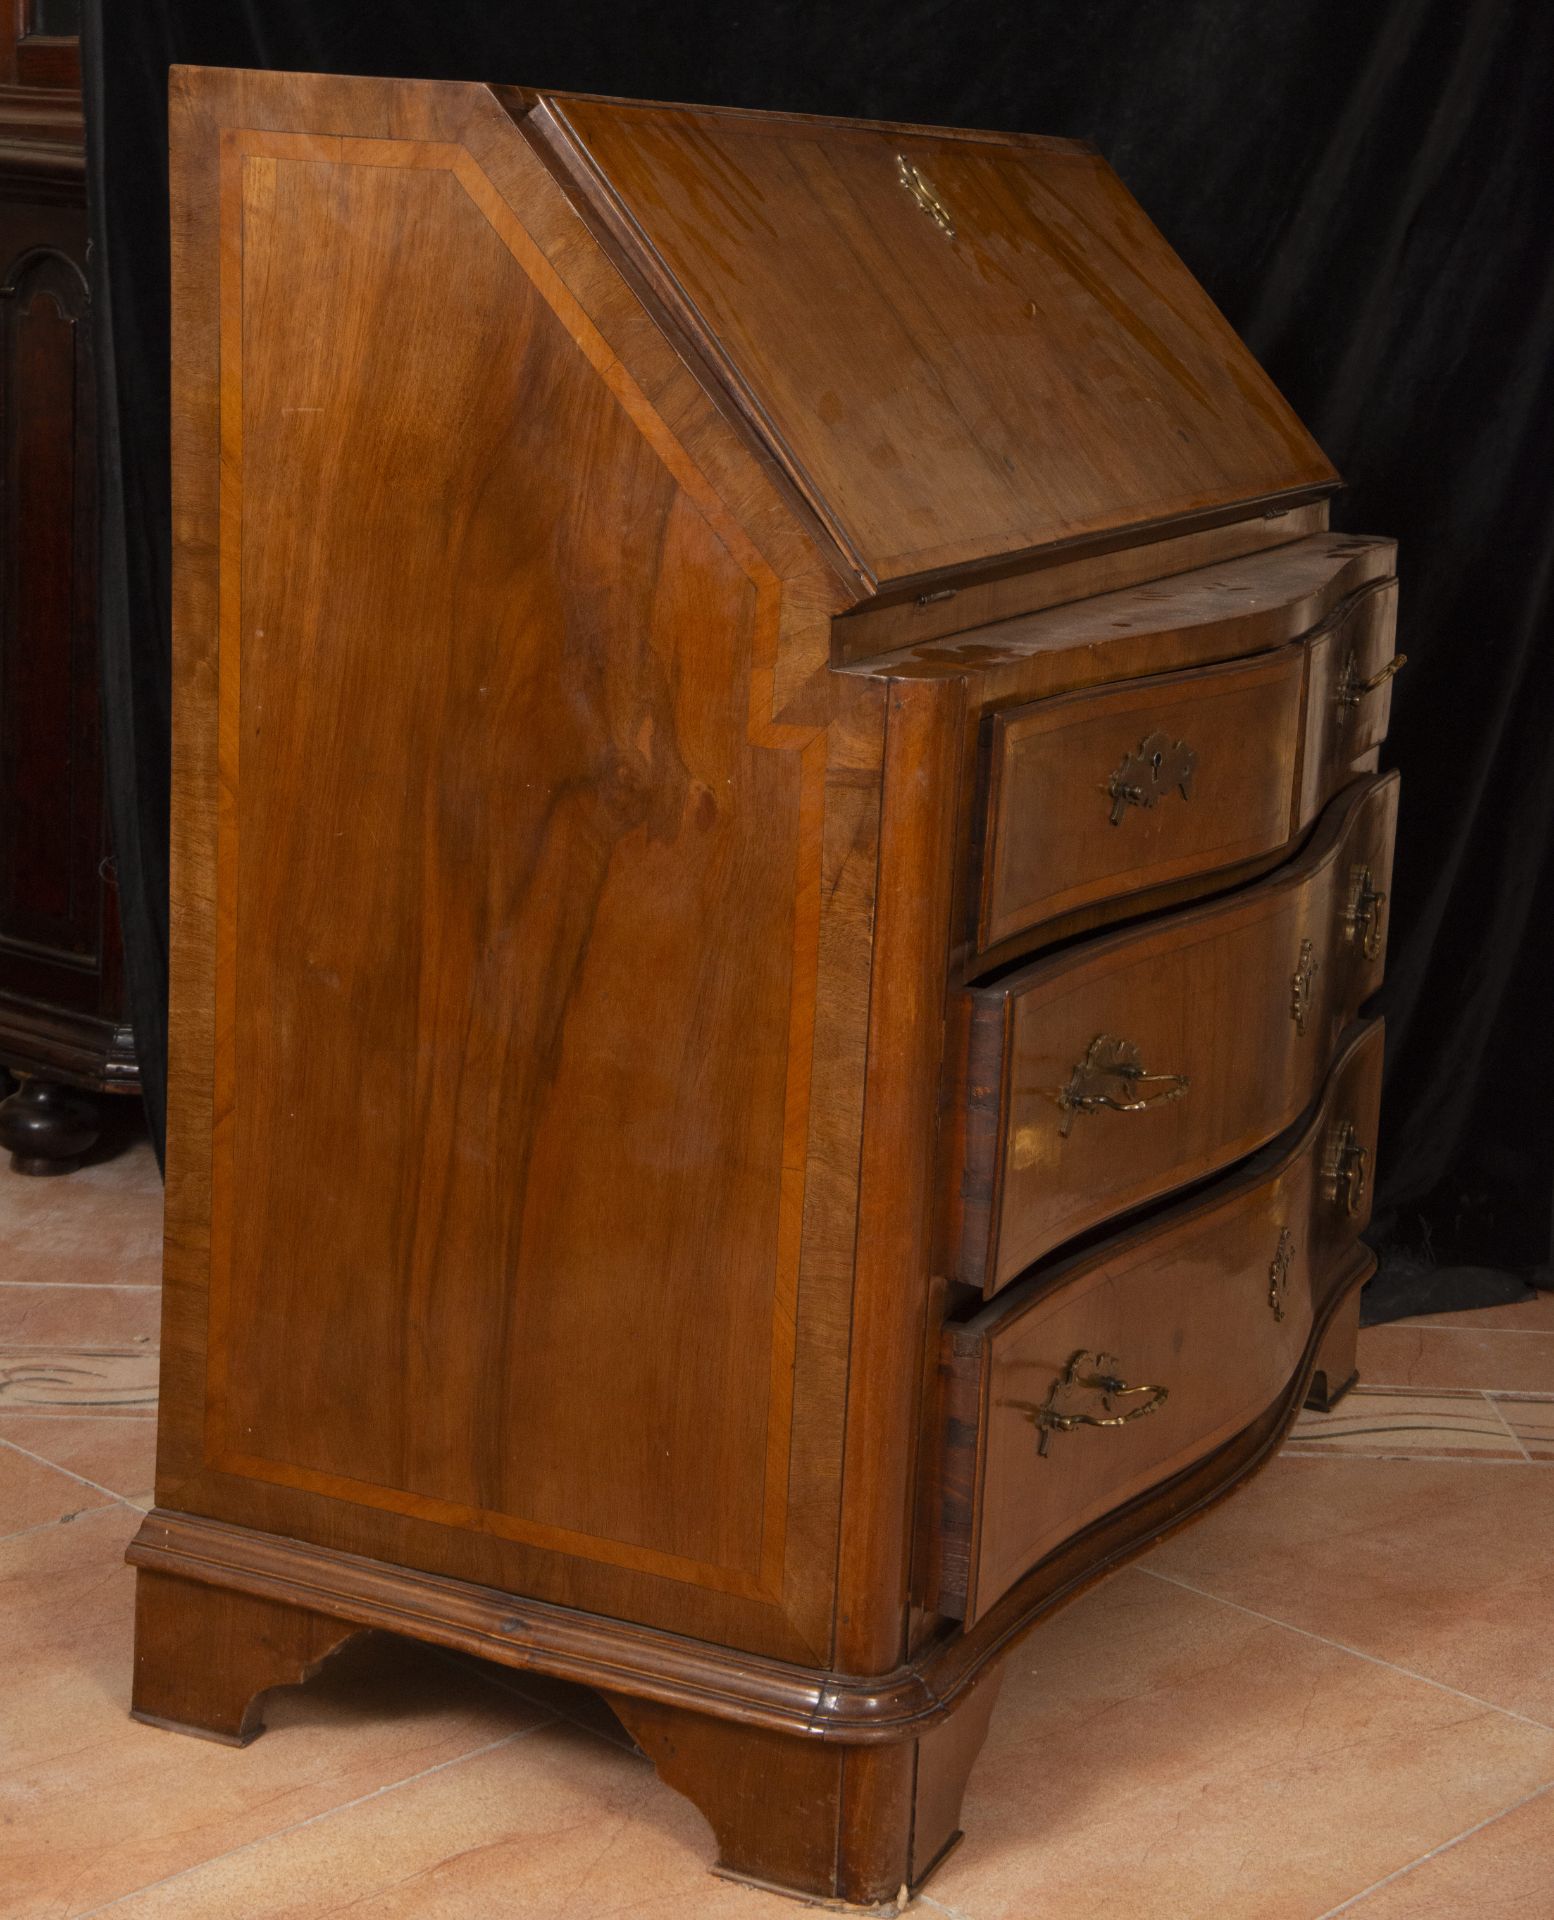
(1335,1695)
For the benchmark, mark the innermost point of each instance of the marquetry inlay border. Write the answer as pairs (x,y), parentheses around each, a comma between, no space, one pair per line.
(765,1581)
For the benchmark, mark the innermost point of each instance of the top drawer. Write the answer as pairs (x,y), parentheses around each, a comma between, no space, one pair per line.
(1100,795)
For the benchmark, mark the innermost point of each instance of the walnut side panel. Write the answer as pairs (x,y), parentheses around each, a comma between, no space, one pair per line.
(570,1324)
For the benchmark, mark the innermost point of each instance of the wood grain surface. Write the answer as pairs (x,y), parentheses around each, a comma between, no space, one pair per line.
(1185,1307)
(963,345)
(1215,605)
(1207,999)
(583,674)
(1072,820)
(497,666)
(1333,594)
(447,705)
(1094,796)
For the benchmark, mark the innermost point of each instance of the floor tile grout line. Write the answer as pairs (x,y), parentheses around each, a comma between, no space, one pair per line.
(1399,1873)
(77,1409)
(131,1349)
(1381,1390)
(1301,1450)
(1334,1443)
(1412,1406)
(60,1520)
(1520,1444)
(950,1913)
(1340,1646)
(1508,1456)
(1407,1420)
(95,1485)
(89,1286)
(312,1819)
(1436,1326)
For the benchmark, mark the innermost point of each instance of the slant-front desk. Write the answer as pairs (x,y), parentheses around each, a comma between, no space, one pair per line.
(778,859)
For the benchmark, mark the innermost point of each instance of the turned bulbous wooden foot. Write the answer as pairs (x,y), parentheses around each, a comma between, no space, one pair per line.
(47,1127)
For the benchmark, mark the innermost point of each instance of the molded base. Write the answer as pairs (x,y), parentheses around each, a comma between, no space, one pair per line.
(860,1825)
(836,1787)
(205,1657)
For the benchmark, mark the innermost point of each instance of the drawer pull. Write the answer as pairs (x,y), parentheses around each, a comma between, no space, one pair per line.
(1362,916)
(1347,1169)
(1049,1419)
(1109,1076)
(1306,967)
(1279,1272)
(1155,765)
(1352,689)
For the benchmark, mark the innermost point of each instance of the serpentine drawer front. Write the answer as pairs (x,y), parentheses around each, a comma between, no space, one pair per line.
(664,632)
(1106,1376)
(1095,1080)
(1100,794)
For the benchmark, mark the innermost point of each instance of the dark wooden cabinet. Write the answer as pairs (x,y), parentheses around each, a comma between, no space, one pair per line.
(778,855)
(63,1032)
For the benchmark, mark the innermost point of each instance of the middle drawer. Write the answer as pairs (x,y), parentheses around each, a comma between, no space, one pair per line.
(1091,1082)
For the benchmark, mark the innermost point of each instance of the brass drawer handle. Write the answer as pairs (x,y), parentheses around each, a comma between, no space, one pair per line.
(1347,1169)
(1362,916)
(1049,1419)
(1154,766)
(1306,968)
(1352,689)
(1279,1273)
(1109,1076)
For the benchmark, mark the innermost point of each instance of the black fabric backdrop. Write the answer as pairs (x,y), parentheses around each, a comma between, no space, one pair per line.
(1364,189)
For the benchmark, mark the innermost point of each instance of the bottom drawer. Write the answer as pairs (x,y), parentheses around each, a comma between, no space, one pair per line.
(1095,1381)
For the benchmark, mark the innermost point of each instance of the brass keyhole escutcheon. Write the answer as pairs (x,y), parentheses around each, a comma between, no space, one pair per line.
(916,184)
(1156,765)
(1306,969)
(1279,1273)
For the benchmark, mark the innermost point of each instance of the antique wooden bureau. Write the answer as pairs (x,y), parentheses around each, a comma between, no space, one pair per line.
(778,858)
